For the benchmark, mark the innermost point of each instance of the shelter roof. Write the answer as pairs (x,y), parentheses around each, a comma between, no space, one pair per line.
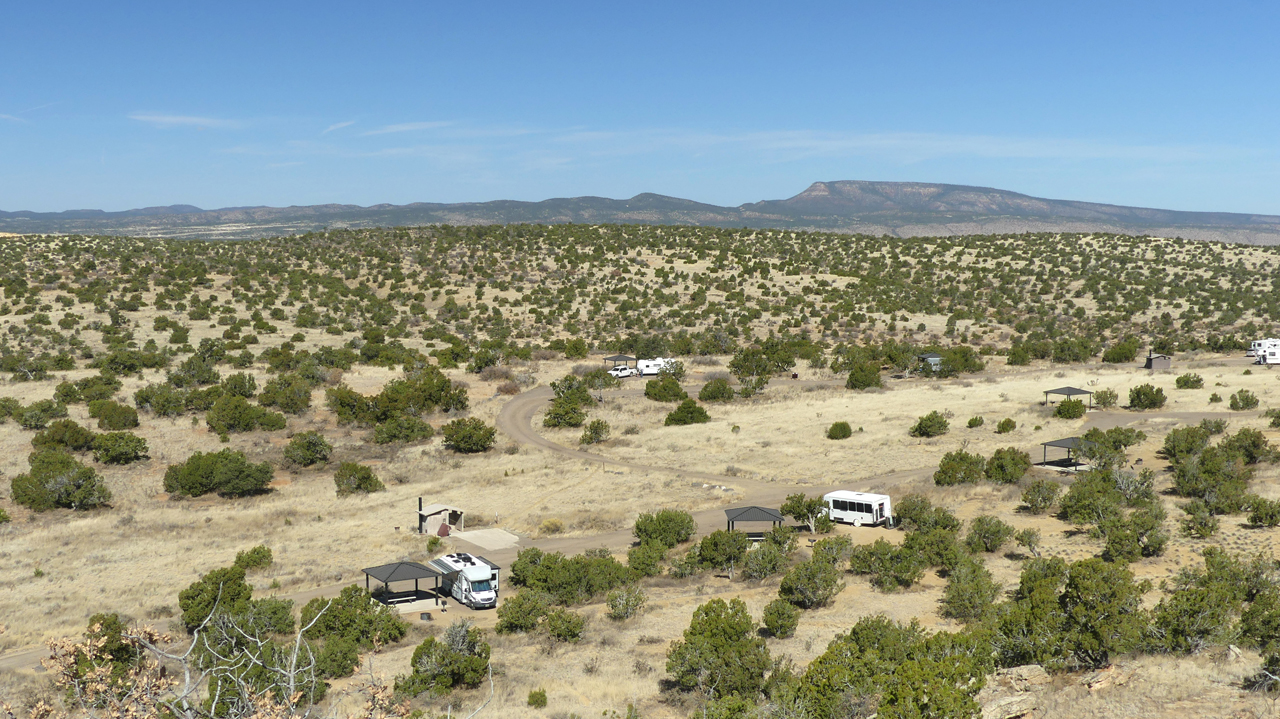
(753,514)
(619,358)
(1068,391)
(401,572)
(929,355)
(437,508)
(1068,443)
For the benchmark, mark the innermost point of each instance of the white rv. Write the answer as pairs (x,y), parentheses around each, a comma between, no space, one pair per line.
(859,508)
(1267,352)
(470,580)
(1257,345)
(648,368)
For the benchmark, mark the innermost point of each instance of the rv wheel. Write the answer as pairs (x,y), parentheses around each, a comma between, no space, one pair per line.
(857,523)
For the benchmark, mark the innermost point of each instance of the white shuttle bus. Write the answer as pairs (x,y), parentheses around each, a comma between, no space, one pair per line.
(859,508)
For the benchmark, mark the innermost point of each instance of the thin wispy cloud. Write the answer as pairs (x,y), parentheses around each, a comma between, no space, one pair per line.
(406,127)
(170,121)
(338,126)
(12,118)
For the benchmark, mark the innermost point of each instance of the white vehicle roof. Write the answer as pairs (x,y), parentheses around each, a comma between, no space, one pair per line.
(857,496)
(471,567)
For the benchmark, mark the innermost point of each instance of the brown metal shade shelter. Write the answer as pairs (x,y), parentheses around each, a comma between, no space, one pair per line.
(753,514)
(620,360)
(388,574)
(1069,392)
(1073,445)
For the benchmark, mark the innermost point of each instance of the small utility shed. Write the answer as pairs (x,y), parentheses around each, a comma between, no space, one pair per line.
(620,360)
(753,514)
(434,516)
(398,572)
(1155,361)
(933,359)
(1069,392)
(1073,445)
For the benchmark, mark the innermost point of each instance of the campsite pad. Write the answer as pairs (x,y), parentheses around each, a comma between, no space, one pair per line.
(489,539)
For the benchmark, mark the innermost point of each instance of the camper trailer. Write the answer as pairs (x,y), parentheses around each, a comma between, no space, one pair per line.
(1267,352)
(1257,346)
(652,367)
(469,579)
(859,508)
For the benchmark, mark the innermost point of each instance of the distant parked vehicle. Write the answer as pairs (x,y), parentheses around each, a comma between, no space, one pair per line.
(652,367)
(1259,345)
(623,372)
(1266,351)
(471,580)
(859,508)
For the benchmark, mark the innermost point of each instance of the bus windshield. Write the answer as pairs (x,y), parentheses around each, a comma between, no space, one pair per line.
(481,586)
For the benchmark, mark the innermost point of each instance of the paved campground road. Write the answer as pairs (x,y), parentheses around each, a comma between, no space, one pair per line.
(515,419)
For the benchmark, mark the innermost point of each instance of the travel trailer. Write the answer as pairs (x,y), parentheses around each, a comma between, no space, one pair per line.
(651,367)
(859,508)
(1256,345)
(1267,352)
(471,580)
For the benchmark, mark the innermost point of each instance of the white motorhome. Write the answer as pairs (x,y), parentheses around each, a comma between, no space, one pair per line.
(1256,345)
(859,508)
(469,579)
(648,368)
(1267,351)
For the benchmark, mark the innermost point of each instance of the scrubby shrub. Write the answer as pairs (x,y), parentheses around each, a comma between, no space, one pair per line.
(1121,352)
(355,616)
(1199,522)
(839,430)
(687,413)
(720,651)
(39,414)
(975,422)
(1189,381)
(864,375)
(1264,512)
(308,448)
(119,448)
(596,431)
(1242,400)
(1141,534)
(646,559)
(162,400)
(971,592)
(1040,496)
(930,425)
(231,414)
(288,393)
(1146,396)
(1215,398)
(1008,465)
(259,557)
(113,415)
(460,657)
(1218,426)
(4,516)
(916,513)
(564,412)
(563,625)
(1184,442)
(665,389)
(666,527)
(403,429)
(811,584)
(625,602)
(889,567)
(1006,426)
(935,547)
(1105,398)
(353,478)
(987,534)
(56,480)
(1069,409)
(959,467)
(89,389)
(570,580)
(723,549)
(717,390)
(523,611)
(64,434)
(240,384)
(194,372)
(222,590)
(781,618)
(469,435)
(538,698)
(228,473)
(765,560)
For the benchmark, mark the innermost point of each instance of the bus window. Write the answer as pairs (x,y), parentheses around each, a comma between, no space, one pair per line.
(840,505)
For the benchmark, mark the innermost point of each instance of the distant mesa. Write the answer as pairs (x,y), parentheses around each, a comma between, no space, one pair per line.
(900,209)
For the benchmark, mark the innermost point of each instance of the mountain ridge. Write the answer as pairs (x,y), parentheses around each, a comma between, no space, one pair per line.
(903,209)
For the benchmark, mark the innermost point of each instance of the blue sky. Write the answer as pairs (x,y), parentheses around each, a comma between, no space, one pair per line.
(115,105)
